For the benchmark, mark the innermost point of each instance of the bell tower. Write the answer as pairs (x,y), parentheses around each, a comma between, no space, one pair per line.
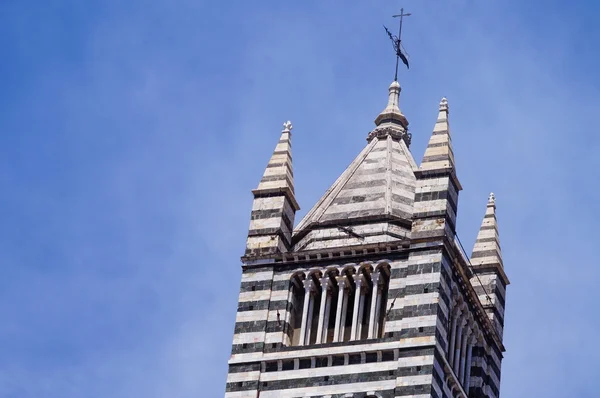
(371,294)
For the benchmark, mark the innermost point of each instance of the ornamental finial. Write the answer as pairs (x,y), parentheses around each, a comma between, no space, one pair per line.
(492,199)
(444,104)
(287,127)
(397,42)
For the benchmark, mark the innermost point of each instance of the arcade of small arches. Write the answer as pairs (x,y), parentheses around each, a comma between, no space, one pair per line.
(464,335)
(337,304)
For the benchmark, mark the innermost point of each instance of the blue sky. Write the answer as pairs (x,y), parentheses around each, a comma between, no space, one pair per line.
(131,134)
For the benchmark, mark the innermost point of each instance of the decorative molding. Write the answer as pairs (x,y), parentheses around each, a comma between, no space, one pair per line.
(398,133)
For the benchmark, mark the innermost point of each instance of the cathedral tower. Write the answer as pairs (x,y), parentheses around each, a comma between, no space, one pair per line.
(371,295)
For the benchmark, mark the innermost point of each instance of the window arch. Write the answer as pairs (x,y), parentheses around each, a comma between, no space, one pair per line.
(464,336)
(294,306)
(338,304)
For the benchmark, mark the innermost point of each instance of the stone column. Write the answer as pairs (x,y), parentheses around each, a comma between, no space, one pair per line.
(361,310)
(461,323)
(325,285)
(326,318)
(358,281)
(338,334)
(311,307)
(469,358)
(375,294)
(452,337)
(306,312)
(378,319)
(463,354)
(344,313)
(287,320)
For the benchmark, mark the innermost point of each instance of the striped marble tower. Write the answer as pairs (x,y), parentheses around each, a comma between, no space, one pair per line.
(431,280)
(270,234)
(274,206)
(370,295)
(489,278)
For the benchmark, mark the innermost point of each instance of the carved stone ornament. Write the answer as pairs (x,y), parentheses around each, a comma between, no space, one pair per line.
(396,133)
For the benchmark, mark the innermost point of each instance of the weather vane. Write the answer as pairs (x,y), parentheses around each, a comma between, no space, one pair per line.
(397,42)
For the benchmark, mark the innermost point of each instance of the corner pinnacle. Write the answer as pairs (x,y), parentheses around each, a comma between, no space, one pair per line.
(444,104)
(491,200)
(287,127)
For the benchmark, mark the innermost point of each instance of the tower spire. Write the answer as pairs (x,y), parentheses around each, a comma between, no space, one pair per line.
(279,176)
(439,153)
(275,204)
(488,268)
(486,251)
(436,193)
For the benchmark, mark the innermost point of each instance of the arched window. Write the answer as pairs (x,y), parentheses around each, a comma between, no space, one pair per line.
(335,305)
(382,298)
(327,307)
(312,298)
(295,305)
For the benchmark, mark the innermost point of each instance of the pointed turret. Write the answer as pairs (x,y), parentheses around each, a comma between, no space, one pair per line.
(436,194)
(486,251)
(489,279)
(274,205)
(438,154)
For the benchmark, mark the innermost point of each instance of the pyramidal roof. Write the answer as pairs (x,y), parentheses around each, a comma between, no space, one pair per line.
(379,183)
(486,251)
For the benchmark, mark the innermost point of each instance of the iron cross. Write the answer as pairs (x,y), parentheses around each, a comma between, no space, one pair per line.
(401,16)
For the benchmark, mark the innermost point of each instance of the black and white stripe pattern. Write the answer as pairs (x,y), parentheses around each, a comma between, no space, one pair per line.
(274,206)
(392,220)
(490,281)
(436,193)
(380,183)
(417,320)
(374,194)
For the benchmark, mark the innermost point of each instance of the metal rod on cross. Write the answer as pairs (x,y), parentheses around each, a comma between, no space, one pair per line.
(397,41)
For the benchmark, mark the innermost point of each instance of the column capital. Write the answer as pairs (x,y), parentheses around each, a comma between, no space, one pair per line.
(457,311)
(342,281)
(358,280)
(309,285)
(375,276)
(325,283)
(468,332)
(471,322)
